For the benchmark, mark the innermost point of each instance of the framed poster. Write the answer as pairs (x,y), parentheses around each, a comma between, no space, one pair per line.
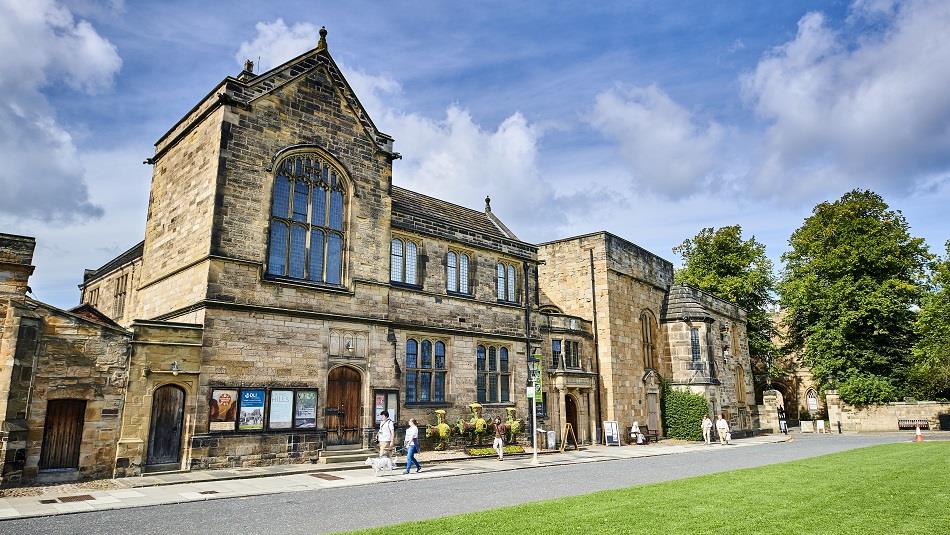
(251,409)
(385,400)
(281,409)
(305,409)
(611,433)
(222,410)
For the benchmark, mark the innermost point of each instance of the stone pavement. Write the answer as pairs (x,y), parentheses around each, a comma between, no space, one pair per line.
(217,484)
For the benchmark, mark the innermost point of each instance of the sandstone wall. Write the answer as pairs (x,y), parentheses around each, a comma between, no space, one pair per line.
(875,418)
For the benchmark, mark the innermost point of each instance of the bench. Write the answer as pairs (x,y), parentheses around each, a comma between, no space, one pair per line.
(913,424)
(647,434)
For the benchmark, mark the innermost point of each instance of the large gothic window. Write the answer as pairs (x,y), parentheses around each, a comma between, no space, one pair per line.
(306,228)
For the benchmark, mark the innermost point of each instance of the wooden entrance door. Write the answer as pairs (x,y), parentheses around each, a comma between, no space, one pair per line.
(570,407)
(164,437)
(344,391)
(62,433)
(653,411)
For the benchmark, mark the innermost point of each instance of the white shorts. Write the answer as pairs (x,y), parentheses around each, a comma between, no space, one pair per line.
(498,443)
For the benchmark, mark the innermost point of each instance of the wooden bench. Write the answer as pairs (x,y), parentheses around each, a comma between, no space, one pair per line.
(913,424)
(647,434)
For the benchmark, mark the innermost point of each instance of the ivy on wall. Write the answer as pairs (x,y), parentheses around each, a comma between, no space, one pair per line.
(683,413)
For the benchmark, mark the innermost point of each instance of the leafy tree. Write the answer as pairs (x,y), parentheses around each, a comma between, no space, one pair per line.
(851,282)
(931,366)
(720,262)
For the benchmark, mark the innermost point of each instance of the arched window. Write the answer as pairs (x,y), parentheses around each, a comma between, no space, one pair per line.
(811,399)
(506,281)
(493,374)
(425,371)
(307,240)
(403,261)
(456,273)
(648,334)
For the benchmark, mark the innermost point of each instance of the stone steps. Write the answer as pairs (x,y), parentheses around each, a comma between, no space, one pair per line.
(345,456)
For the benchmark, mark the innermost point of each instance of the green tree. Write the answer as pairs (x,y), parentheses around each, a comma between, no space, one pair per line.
(930,373)
(720,262)
(851,282)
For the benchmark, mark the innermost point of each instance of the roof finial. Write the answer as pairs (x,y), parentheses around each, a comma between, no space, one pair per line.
(322,44)
(487,203)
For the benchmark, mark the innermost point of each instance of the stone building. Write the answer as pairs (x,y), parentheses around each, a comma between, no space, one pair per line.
(287,292)
(62,381)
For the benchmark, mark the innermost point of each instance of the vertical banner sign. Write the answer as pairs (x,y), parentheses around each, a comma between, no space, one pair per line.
(305,413)
(538,392)
(251,416)
(281,409)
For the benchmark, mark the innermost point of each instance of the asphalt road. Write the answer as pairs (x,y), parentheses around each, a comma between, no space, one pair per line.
(346,508)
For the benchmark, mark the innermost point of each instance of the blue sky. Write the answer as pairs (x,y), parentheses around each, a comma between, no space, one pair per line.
(648,119)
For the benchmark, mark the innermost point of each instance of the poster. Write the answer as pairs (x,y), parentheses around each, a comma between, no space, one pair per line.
(611,433)
(305,413)
(281,409)
(222,410)
(251,415)
(379,407)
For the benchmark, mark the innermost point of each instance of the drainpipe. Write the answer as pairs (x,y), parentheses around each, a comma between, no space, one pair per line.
(593,297)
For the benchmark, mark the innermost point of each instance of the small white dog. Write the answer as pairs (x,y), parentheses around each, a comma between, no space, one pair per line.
(379,464)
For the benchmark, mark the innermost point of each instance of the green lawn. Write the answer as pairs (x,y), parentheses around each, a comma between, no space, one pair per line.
(894,488)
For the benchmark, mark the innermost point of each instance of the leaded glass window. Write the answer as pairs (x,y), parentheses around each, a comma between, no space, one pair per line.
(306,240)
(403,261)
(456,276)
(425,376)
(493,374)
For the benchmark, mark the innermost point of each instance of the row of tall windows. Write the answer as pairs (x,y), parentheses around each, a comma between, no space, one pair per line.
(426,372)
(404,268)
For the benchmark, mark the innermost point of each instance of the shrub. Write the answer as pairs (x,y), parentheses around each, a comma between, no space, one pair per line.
(683,413)
(485,452)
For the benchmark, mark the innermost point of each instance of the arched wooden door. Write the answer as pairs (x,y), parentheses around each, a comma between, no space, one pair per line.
(570,407)
(344,391)
(164,438)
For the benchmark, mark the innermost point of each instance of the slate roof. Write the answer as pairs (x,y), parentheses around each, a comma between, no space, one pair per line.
(410,203)
(132,254)
(683,301)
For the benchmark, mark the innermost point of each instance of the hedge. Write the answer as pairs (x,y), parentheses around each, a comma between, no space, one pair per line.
(683,413)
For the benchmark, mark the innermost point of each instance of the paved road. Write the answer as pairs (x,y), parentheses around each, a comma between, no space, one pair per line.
(346,508)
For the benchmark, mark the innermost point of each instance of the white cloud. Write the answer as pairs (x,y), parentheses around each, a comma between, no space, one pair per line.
(845,111)
(668,151)
(276,43)
(42,44)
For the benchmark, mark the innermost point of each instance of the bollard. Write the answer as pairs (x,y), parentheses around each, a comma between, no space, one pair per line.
(839,427)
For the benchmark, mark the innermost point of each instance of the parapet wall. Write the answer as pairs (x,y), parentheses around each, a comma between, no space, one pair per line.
(884,417)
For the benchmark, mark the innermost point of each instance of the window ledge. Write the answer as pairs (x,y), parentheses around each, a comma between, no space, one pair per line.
(335,288)
(498,404)
(428,404)
(460,295)
(406,285)
(508,303)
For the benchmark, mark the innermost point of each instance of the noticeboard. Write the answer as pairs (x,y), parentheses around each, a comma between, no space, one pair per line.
(611,433)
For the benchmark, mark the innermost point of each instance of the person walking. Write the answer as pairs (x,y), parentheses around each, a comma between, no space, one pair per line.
(707,429)
(722,428)
(412,445)
(499,443)
(386,435)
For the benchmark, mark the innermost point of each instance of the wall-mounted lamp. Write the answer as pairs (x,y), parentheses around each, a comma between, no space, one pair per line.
(348,345)
(175,368)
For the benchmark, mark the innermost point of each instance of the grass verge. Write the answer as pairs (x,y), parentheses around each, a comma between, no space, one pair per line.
(893,488)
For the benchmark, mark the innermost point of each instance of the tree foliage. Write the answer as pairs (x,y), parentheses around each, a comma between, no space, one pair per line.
(851,281)
(720,262)
(930,373)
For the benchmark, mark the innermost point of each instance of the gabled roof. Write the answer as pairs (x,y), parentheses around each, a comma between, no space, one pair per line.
(247,88)
(93,314)
(411,203)
(129,256)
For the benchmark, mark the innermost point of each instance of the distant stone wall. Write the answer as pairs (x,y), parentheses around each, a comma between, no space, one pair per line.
(882,417)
